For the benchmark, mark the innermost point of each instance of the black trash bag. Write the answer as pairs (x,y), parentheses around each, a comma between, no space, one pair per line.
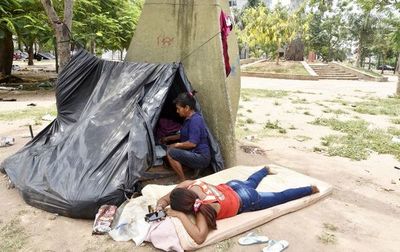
(102,140)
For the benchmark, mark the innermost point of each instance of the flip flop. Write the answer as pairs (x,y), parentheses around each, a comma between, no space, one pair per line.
(276,246)
(252,238)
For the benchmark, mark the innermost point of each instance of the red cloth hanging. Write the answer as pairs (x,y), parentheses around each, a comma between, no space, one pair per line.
(226,28)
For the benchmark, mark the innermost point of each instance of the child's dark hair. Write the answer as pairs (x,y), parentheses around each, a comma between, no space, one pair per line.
(186,99)
(183,200)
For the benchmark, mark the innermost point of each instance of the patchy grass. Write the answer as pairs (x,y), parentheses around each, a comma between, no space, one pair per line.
(245,98)
(249,110)
(275,126)
(327,238)
(35,113)
(241,132)
(292,127)
(12,236)
(302,138)
(357,140)
(351,126)
(282,131)
(287,67)
(338,100)
(276,103)
(307,113)
(334,111)
(300,101)
(272,125)
(263,93)
(379,106)
(250,121)
(395,120)
(240,122)
(302,92)
(393,131)
(330,227)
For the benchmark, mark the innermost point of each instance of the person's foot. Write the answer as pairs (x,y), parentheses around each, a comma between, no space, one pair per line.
(196,174)
(270,171)
(314,189)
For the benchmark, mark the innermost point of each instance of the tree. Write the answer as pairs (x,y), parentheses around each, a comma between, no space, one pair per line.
(295,49)
(62,29)
(32,28)
(107,25)
(395,39)
(327,31)
(253,3)
(267,31)
(8,9)
(281,29)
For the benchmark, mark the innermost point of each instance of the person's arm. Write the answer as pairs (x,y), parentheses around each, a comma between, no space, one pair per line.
(184,145)
(198,231)
(164,201)
(170,138)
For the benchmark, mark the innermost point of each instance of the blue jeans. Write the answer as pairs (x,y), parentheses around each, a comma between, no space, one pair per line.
(251,200)
(189,159)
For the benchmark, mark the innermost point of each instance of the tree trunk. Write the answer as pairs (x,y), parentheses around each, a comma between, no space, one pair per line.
(56,54)
(277,53)
(61,29)
(295,50)
(398,83)
(383,63)
(398,76)
(369,62)
(6,54)
(92,46)
(30,54)
(20,45)
(359,51)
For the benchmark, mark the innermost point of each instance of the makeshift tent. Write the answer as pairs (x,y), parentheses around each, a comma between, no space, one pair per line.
(102,140)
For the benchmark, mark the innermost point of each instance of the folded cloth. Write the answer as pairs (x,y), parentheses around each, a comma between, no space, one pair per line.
(163,236)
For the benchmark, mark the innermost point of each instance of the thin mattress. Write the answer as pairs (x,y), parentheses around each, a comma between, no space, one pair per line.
(230,227)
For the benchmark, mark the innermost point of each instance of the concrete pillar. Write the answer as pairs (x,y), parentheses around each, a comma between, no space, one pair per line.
(188,31)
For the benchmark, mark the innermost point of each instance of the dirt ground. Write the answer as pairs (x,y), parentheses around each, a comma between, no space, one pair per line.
(362,214)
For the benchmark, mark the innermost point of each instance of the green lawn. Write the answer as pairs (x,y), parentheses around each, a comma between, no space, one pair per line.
(286,67)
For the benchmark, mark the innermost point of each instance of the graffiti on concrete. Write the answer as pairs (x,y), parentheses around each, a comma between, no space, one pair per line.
(165,41)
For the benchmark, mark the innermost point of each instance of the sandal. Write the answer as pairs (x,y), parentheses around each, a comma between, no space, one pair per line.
(252,238)
(276,246)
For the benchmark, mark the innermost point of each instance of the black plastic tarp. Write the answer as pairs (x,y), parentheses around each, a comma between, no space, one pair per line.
(102,140)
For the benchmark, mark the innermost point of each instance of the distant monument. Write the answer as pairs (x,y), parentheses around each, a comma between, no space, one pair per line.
(189,31)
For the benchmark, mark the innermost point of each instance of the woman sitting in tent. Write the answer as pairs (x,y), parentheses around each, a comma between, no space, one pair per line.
(192,150)
(209,203)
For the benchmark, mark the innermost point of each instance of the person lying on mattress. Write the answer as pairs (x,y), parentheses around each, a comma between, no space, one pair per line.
(192,150)
(209,203)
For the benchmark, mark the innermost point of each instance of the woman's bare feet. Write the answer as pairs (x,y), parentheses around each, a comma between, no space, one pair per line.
(314,189)
(270,171)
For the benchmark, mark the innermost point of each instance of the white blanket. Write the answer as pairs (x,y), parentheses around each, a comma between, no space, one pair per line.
(229,227)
